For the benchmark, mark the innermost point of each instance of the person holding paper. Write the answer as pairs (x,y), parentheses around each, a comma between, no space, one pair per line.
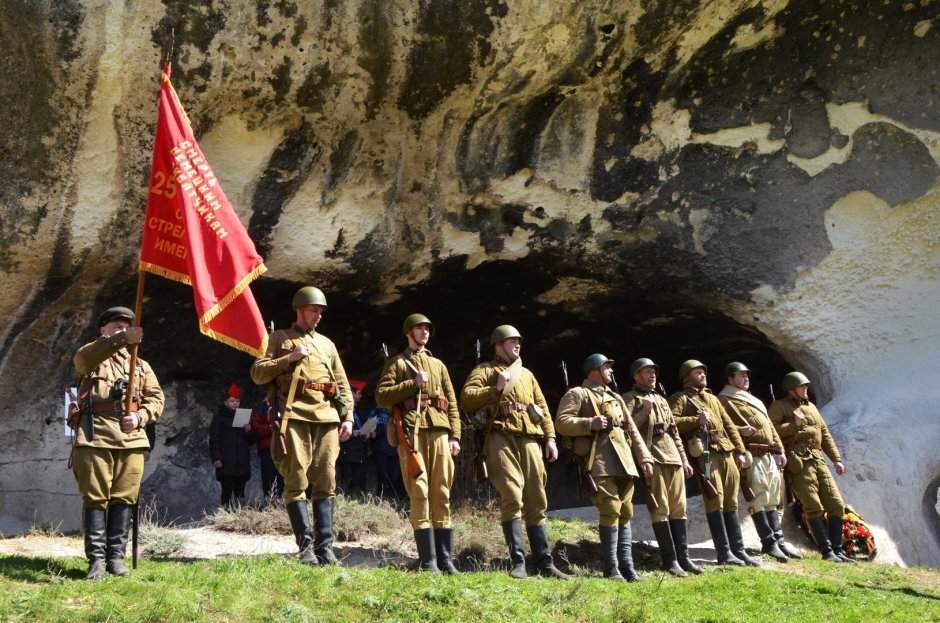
(229,443)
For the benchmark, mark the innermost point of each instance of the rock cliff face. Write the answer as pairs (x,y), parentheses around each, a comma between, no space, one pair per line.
(731,179)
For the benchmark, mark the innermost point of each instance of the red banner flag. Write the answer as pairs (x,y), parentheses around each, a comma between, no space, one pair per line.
(192,234)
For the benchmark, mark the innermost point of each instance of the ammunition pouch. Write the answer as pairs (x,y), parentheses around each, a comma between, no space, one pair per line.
(794,464)
(760,449)
(715,435)
(438,402)
(328,388)
(74,416)
(535,413)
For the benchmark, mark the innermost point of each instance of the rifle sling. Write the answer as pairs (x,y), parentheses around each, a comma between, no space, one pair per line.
(288,405)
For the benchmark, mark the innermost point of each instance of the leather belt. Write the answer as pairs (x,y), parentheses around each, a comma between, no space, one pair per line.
(113,407)
(438,402)
(305,387)
(507,407)
(805,445)
(760,449)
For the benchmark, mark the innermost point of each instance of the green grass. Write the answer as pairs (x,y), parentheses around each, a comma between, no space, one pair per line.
(275,588)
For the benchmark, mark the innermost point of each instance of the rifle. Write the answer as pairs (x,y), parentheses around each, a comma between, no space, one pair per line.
(644,484)
(585,480)
(788,494)
(746,489)
(415,461)
(704,471)
(481,471)
(275,417)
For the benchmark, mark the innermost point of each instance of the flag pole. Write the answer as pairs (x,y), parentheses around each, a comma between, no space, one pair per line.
(138,311)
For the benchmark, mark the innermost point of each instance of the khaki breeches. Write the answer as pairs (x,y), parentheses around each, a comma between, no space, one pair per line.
(430,492)
(668,488)
(767,483)
(614,500)
(310,460)
(108,477)
(517,471)
(727,480)
(816,489)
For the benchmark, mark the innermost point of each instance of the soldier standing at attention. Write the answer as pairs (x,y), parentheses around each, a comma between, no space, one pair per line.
(109,444)
(416,385)
(696,407)
(596,417)
(767,459)
(517,421)
(652,416)
(309,385)
(805,436)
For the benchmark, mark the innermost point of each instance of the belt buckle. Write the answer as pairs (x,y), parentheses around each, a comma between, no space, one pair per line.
(118,407)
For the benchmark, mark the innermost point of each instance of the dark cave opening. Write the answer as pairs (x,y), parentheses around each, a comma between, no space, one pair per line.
(620,320)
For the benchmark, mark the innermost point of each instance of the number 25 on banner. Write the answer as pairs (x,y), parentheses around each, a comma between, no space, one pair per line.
(164,185)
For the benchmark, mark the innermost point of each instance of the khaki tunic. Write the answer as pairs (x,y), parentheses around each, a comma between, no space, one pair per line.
(109,467)
(668,482)
(614,467)
(725,441)
(512,447)
(312,437)
(429,492)
(811,479)
(763,476)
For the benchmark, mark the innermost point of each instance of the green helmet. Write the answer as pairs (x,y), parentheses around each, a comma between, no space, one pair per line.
(642,362)
(595,361)
(416,319)
(504,332)
(690,365)
(794,379)
(308,295)
(734,367)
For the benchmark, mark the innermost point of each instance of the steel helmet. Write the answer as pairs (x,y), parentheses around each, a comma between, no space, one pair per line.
(690,365)
(794,379)
(595,361)
(504,332)
(308,295)
(416,319)
(642,362)
(734,367)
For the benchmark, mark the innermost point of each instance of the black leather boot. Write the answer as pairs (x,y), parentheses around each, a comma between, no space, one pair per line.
(303,534)
(119,524)
(427,556)
(773,519)
(542,553)
(515,541)
(735,538)
(323,531)
(95,525)
(716,525)
(443,540)
(609,536)
(835,526)
(818,527)
(680,537)
(768,541)
(667,549)
(625,553)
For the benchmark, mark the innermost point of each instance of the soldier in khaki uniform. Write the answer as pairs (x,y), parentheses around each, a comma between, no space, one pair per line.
(766,459)
(516,420)
(654,420)
(608,439)
(309,385)
(109,444)
(693,408)
(416,384)
(805,436)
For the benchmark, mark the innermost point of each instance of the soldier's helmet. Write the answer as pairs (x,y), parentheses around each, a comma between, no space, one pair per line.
(688,366)
(595,361)
(308,295)
(642,362)
(794,379)
(115,313)
(734,367)
(504,332)
(416,319)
